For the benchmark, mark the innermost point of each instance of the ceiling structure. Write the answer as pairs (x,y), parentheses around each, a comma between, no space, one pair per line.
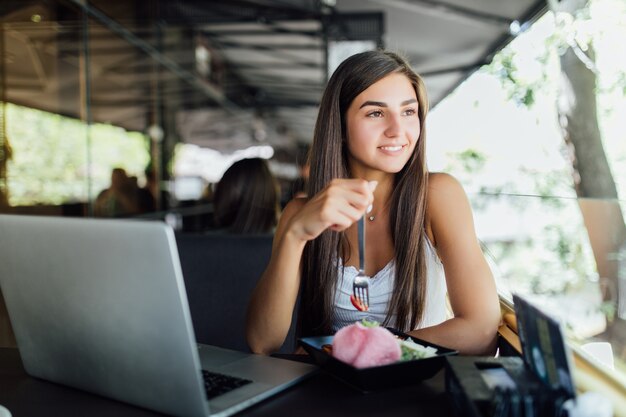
(227,74)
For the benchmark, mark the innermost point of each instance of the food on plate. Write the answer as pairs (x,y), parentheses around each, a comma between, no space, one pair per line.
(365,344)
(412,350)
(358,304)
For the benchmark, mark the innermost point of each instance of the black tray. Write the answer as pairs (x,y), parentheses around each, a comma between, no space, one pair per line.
(377,377)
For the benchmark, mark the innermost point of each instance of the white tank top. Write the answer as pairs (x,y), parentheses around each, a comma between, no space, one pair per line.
(380,289)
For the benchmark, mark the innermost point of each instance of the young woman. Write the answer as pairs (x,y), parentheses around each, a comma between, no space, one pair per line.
(368,149)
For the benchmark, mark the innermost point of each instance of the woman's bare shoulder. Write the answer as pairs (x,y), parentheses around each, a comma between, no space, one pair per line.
(445,198)
(441,181)
(293,207)
(444,189)
(290,210)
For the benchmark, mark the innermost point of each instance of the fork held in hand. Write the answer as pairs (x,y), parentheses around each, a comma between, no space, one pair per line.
(360,286)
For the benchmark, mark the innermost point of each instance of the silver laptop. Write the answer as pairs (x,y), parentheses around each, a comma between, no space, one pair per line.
(101,305)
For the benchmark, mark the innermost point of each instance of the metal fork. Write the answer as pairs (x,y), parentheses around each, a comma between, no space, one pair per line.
(360,286)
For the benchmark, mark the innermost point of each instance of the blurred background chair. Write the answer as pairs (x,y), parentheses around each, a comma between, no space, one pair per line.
(220,272)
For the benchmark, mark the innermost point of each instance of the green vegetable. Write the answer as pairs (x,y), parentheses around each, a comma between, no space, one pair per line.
(367,323)
(411,350)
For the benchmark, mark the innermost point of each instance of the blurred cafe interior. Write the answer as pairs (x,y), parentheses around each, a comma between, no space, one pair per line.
(136,110)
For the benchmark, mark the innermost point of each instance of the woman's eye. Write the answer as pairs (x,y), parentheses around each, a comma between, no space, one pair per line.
(376,113)
(410,112)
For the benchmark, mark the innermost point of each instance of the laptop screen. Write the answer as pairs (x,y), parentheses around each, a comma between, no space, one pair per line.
(543,346)
(101,305)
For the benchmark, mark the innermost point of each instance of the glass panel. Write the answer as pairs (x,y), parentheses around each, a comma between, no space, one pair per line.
(121,89)
(43,61)
(71,110)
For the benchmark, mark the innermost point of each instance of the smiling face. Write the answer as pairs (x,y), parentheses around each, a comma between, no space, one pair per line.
(383,127)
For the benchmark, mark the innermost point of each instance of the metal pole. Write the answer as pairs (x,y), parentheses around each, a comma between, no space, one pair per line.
(85,103)
(4,154)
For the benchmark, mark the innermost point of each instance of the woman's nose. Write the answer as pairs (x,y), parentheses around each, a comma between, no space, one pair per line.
(393,126)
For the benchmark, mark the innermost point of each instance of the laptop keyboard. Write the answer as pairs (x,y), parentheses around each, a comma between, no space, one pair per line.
(217,384)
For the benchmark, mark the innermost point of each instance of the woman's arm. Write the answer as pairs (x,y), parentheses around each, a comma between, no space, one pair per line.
(270,311)
(471,287)
(271,306)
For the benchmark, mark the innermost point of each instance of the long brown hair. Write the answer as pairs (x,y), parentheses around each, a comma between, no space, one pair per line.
(247,198)
(328,160)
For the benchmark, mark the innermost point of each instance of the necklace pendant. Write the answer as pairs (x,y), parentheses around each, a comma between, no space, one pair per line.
(371,218)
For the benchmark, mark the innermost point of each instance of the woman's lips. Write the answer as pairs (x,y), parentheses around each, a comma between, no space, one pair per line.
(391,150)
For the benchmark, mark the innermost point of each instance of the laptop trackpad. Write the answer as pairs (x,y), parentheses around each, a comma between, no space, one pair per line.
(212,357)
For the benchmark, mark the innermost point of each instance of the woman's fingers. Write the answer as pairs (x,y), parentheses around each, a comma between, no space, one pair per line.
(346,216)
(357,193)
(336,207)
(342,206)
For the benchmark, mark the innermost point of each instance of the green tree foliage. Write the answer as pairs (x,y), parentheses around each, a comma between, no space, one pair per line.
(528,213)
(51,153)
(580,49)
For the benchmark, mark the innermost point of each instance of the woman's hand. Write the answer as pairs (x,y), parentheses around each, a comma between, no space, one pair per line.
(337,206)
(272,303)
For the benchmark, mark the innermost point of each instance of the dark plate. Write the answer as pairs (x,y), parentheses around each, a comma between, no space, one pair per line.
(377,377)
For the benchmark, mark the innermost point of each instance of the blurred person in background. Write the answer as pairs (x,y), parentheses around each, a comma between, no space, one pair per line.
(5,155)
(246,199)
(120,199)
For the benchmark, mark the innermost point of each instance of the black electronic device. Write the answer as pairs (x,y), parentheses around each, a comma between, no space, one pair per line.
(534,385)
(543,346)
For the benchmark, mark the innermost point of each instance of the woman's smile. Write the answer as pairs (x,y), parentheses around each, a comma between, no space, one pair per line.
(392,150)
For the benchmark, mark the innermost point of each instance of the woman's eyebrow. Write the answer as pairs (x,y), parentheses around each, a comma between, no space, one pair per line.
(373,103)
(383,104)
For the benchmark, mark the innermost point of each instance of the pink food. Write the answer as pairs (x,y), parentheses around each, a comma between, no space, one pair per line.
(363,347)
